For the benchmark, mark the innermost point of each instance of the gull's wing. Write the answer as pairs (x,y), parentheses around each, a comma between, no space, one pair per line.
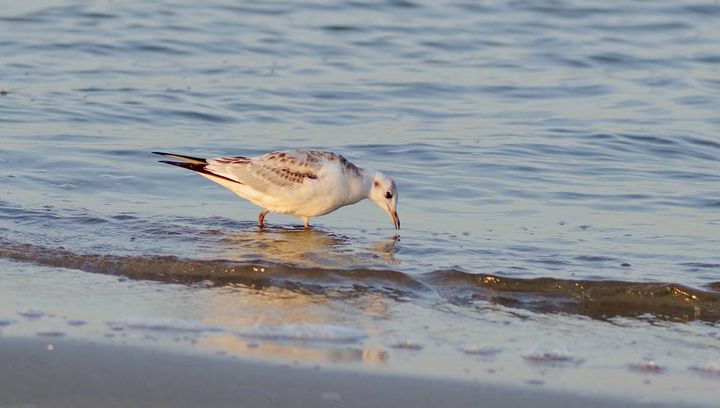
(276,170)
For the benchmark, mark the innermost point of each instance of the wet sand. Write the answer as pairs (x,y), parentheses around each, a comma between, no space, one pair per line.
(68,373)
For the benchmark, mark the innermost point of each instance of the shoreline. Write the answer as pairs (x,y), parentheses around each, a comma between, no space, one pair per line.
(60,372)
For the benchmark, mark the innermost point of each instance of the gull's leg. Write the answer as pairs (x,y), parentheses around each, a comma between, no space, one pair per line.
(307,222)
(261,218)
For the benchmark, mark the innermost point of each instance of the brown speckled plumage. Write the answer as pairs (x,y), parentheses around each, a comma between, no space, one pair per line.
(278,168)
(232,160)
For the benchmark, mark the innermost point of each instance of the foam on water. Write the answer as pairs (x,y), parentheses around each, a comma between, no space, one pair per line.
(551,353)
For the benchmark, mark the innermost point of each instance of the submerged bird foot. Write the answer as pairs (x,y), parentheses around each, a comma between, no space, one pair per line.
(307,222)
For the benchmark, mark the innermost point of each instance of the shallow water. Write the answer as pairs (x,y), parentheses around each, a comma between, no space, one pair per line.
(554,159)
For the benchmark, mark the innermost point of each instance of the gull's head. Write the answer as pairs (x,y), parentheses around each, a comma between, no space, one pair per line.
(384,193)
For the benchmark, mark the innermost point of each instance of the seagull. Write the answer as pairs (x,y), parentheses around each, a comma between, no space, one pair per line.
(304,183)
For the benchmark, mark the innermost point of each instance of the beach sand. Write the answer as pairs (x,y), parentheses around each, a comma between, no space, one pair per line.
(67,373)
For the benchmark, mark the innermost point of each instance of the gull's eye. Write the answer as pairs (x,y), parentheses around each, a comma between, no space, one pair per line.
(388,195)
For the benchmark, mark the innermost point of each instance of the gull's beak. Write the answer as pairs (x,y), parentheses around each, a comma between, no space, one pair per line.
(394,217)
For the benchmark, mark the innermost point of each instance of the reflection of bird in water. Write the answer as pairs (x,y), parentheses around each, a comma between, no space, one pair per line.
(386,250)
(242,309)
(308,248)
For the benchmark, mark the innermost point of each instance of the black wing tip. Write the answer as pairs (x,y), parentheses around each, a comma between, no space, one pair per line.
(199,168)
(197,159)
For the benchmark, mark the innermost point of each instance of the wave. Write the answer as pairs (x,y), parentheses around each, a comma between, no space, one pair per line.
(596,299)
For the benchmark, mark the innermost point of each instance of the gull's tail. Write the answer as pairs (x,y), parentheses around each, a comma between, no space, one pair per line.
(195,164)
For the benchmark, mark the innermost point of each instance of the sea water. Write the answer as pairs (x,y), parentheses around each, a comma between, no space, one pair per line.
(557,165)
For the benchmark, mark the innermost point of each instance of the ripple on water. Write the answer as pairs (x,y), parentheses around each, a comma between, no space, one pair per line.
(32,314)
(160,324)
(50,333)
(594,296)
(407,345)
(304,332)
(711,369)
(647,366)
(481,350)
